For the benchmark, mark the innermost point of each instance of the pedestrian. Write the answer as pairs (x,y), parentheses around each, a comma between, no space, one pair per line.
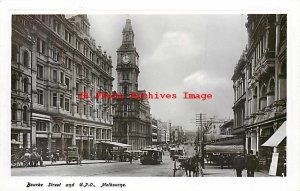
(251,164)
(130,158)
(239,164)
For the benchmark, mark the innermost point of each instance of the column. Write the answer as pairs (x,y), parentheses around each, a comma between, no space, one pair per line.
(95,144)
(28,140)
(89,144)
(81,141)
(50,137)
(33,133)
(246,144)
(257,140)
(62,139)
(74,134)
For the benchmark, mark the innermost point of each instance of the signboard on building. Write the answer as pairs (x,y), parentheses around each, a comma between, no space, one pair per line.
(273,166)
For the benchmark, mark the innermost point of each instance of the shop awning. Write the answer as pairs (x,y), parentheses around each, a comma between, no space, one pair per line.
(224,148)
(116,144)
(277,137)
(13,141)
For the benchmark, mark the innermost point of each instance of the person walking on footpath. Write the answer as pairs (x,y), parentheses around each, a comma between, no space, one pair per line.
(251,164)
(130,158)
(239,164)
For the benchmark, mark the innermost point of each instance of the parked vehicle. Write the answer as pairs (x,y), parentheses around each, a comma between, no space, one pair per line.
(73,155)
(151,156)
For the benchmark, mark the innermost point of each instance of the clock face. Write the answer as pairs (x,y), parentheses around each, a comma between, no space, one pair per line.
(126,59)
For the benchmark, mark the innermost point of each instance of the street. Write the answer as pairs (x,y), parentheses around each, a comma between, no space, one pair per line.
(123,169)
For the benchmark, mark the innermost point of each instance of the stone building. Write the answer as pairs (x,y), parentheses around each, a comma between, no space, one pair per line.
(62,63)
(132,124)
(260,87)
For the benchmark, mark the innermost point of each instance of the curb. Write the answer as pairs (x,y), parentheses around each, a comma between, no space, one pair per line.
(59,164)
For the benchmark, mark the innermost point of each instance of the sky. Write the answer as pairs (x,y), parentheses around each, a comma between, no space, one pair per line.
(180,53)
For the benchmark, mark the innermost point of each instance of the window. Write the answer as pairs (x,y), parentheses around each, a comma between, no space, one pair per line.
(67,80)
(25,114)
(56,26)
(40,96)
(54,75)
(68,36)
(91,56)
(77,88)
(77,107)
(14,82)
(62,77)
(68,62)
(56,129)
(54,99)
(26,58)
(77,44)
(61,99)
(67,104)
(41,46)
(85,50)
(25,85)
(14,112)
(84,109)
(91,111)
(41,126)
(97,113)
(40,71)
(86,72)
(77,130)
(55,54)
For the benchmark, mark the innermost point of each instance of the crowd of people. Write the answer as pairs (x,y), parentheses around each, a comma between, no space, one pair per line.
(250,163)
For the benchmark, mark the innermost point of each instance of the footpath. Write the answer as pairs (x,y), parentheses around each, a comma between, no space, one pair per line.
(63,162)
(216,171)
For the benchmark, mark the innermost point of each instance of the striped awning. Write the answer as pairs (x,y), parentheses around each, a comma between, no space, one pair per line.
(277,137)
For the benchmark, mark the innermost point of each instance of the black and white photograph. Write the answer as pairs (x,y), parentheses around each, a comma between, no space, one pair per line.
(96,99)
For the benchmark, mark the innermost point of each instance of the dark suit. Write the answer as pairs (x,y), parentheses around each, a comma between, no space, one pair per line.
(239,165)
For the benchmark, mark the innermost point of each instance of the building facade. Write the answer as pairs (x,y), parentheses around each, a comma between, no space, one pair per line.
(65,64)
(132,124)
(154,128)
(263,68)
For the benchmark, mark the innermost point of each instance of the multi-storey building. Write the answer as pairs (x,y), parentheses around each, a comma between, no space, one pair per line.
(64,62)
(263,68)
(132,124)
(163,135)
(21,82)
(154,127)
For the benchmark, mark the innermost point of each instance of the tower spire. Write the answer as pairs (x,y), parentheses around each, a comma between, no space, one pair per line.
(128,34)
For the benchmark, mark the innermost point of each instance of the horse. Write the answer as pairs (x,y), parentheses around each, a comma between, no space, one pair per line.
(191,165)
(35,158)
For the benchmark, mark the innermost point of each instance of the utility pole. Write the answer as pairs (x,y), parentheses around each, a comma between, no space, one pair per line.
(200,137)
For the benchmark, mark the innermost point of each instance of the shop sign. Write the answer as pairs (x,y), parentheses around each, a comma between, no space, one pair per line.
(273,166)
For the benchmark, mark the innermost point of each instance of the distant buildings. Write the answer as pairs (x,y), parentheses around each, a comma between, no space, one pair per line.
(260,87)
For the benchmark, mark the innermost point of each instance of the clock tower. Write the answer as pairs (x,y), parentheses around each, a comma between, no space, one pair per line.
(127,62)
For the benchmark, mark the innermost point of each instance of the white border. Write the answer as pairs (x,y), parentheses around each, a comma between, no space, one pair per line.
(291,7)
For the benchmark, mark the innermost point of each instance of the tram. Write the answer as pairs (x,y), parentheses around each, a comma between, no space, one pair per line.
(151,156)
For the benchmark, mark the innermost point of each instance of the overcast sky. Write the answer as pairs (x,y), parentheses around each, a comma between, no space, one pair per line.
(178,53)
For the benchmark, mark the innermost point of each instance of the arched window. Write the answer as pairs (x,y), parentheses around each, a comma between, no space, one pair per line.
(25,114)
(26,58)
(25,85)
(14,53)
(14,82)
(14,111)
(271,87)
(56,128)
